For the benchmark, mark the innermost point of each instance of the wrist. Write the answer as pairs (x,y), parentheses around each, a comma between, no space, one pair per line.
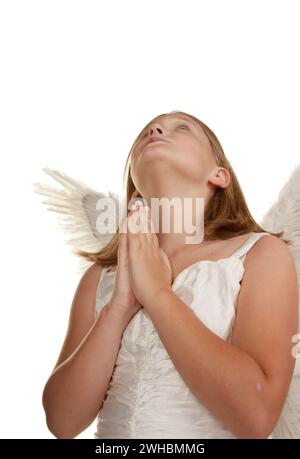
(118,313)
(158,298)
(119,317)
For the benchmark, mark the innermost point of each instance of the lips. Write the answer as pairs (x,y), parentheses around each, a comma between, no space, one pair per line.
(155,139)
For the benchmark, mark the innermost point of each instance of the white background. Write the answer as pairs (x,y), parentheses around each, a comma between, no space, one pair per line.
(79,80)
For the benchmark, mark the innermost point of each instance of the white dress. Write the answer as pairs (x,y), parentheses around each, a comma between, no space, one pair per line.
(146,396)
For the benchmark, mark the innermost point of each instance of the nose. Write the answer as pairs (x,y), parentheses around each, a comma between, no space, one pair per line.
(155,129)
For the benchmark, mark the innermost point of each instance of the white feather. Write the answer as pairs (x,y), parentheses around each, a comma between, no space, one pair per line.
(284,215)
(75,205)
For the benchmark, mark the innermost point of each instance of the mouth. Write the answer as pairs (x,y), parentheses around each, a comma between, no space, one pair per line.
(155,139)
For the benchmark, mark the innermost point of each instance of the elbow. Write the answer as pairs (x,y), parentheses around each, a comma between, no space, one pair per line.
(259,426)
(61,431)
(64,426)
(55,426)
(65,422)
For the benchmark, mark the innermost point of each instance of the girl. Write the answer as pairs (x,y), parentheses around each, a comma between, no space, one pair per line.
(175,340)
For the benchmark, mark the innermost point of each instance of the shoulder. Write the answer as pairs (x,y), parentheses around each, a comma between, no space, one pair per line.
(94,269)
(267,250)
(91,276)
(87,286)
(93,272)
(270,262)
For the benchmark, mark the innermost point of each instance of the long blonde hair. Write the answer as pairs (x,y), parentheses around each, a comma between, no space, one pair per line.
(226,215)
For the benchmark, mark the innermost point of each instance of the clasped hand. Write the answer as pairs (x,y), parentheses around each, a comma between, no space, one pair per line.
(149,267)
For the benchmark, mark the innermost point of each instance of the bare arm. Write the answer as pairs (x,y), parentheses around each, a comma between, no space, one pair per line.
(243,383)
(75,390)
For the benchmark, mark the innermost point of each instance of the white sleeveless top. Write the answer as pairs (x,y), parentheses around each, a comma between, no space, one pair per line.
(146,396)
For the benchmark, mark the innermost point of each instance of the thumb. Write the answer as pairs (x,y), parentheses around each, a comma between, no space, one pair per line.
(123,237)
(166,259)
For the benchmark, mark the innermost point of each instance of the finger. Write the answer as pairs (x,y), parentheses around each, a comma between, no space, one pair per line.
(133,224)
(143,227)
(151,235)
(136,200)
(145,224)
(133,233)
(166,260)
(122,230)
(123,240)
(138,224)
(125,248)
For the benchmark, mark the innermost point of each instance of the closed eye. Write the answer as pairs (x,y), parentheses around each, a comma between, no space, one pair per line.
(184,125)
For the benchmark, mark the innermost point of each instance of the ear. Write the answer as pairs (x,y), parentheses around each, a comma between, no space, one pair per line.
(219,177)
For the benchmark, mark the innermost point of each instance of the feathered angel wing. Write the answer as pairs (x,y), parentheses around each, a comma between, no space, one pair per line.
(80,214)
(284,215)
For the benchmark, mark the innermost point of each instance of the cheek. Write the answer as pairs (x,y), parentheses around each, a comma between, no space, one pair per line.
(195,159)
(196,163)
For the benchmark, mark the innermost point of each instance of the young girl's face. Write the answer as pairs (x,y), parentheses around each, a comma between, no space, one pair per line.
(183,153)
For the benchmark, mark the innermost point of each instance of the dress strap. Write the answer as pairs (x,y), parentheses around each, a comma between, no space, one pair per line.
(104,289)
(242,251)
